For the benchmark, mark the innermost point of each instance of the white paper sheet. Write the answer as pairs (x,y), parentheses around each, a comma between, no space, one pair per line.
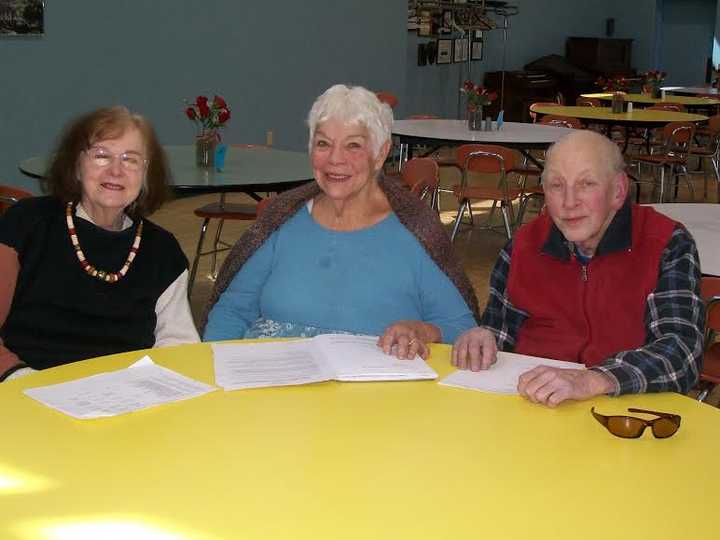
(144,384)
(257,365)
(502,377)
(322,358)
(358,358)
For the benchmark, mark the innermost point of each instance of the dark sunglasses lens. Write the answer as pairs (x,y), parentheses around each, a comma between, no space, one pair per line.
(664,427)
(625,426)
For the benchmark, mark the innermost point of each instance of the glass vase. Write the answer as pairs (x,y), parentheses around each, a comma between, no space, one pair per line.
(618,102)
(205,145)
(475,119)
(656,92)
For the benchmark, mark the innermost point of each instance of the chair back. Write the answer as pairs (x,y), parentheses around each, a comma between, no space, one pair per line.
(588,102)
(677,137)
(534,115)
(714,123)
(713,144)
(421,175)
(387,97)
(485,158)
(10,195)
(561,121)
(490,161)
(710,292)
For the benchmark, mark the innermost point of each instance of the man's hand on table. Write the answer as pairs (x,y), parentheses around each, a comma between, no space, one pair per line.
(551,386)
(475,349)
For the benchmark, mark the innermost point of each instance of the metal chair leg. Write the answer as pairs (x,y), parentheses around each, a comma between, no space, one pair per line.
(688,180)
(461,212)
(193,272)
(506,219)
(662,183)
(213,269)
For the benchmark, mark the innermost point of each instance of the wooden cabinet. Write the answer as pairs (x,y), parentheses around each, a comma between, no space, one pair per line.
(603,56)
(522,88)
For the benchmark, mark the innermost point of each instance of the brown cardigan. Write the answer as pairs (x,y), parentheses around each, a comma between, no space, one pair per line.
(413,213)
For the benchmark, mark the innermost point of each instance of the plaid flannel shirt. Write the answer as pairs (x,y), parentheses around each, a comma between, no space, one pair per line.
(670,359)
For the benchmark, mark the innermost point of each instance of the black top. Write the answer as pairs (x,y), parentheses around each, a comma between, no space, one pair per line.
(61,314)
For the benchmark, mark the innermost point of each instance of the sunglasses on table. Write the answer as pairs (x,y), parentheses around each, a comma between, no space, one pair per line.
(632,427)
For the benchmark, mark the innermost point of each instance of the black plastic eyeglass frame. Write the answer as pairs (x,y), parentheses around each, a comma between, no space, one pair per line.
(673,418)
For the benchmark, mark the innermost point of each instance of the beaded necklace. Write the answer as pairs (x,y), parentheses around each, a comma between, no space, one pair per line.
(102,275)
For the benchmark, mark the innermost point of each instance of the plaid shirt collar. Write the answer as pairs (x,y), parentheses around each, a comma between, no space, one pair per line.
(617,237)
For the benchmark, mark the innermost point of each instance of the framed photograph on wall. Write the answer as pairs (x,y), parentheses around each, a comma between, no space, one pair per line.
(444,51)
(446,22)
(476,52)
(461,52)
(22,17)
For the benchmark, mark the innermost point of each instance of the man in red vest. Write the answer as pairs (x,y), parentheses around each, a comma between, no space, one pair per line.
(595,280)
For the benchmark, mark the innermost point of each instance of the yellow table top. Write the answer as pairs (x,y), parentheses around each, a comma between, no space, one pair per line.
(605,114)
(355,461)
(643,98)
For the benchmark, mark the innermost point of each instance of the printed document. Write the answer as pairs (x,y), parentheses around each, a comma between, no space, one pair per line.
(502,377)
(328,357)
(144,384)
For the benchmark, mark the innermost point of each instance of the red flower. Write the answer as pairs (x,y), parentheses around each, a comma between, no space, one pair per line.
(224,116)
(209,115)
(477,95)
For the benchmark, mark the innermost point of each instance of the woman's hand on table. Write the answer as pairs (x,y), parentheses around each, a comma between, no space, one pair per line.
(475,349)
(405,339)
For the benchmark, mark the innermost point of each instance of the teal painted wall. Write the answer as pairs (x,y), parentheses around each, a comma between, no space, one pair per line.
(688,28)
(540,28)
(269,59)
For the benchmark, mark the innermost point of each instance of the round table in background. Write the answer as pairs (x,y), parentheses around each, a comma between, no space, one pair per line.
(705,90)
(691,102)
(512,134)
(703,222)
(517,135)
(604,115)
(246,169)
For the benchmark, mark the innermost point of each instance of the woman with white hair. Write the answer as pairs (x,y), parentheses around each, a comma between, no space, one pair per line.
(350,252)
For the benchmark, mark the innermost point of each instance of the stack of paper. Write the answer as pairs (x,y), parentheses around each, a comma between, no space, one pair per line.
(502,377)
(144,384)
(322,358)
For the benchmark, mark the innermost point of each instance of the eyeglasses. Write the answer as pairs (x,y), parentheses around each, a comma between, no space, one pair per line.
(129,161)
(631,427)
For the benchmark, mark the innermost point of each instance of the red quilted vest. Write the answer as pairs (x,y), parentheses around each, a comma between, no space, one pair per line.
(586,314)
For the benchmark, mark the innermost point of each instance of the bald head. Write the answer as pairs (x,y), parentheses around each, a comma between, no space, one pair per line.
(585,185)
(593,146)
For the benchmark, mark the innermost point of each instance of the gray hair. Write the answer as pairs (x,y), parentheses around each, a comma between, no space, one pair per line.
(607,151)
(353,105)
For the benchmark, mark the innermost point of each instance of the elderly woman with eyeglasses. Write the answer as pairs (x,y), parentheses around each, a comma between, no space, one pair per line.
(84,274)
(351,252)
